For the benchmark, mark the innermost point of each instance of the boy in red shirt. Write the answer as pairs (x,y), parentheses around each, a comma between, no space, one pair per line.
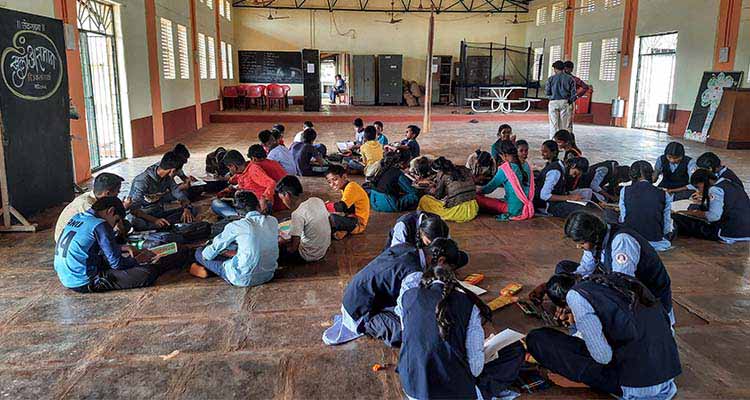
(259,176)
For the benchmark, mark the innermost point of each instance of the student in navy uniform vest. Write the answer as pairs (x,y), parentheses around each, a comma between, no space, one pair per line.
(442,353)
(417,228)
(551,194)
(675,168)
(646,208)
(614,248)
(724,212)
(370,297)
(566,141)
(626,346)
(601,178)
(712,162)
(89,259)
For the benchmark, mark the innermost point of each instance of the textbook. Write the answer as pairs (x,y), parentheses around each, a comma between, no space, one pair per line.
(165,249)
(495,343)
(681,205)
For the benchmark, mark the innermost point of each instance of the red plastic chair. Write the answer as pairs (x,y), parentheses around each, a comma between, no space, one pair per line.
(241,95)
(255,94)
(275,94)
(230,93)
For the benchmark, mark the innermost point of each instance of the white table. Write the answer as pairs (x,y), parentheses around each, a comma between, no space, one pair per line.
(498,96)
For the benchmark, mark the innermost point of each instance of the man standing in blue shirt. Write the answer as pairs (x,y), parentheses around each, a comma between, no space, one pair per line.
(89,259)
(561,91)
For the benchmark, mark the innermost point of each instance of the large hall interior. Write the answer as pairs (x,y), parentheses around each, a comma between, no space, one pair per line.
(374,199)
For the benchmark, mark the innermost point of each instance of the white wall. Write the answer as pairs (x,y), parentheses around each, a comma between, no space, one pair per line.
(45,8)
(695,21)
(742,56)
(358,33)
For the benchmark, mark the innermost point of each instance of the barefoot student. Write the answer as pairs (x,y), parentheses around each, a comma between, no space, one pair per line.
(418,229)
(551,194)
(515,177)
(351,214)
(245,253)
(675,168)
(646,208)
(310,233)
(626,347)
(105,185)
(454,196)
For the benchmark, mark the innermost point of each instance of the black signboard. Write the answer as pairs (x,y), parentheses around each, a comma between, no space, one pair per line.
(707,102)
(34,106)
(270,66)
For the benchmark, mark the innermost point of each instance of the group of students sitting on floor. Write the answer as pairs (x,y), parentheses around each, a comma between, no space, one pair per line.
(617,299)
(617,303)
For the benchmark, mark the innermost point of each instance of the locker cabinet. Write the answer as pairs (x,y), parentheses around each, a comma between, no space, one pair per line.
(390,86)
(311,79)
(363,81)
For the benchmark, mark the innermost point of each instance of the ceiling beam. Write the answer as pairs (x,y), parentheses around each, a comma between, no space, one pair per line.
(405,6)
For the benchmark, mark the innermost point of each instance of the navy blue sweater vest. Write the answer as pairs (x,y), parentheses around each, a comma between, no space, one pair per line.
(650,270)
(644,353)
(644,210)
(431,367)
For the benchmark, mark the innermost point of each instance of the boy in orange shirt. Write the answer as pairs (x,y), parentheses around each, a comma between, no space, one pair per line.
(351,214)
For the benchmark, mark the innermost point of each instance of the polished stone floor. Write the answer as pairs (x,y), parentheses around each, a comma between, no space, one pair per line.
(187,338)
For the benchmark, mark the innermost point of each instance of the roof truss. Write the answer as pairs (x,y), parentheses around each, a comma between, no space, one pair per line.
(399,6)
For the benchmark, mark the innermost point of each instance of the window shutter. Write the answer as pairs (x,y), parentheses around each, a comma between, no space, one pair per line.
(558,12)
(612,3)
(608,70)
(202,56)
(541,16)
(587,6)
(230,61)
(182,52)
(584,61)
(223,60)
(538,56)
(555,53)
(211,57)
(167,50)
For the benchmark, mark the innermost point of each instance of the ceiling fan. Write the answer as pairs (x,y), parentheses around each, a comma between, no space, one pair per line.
(392,15)
(515,20)
(272,17)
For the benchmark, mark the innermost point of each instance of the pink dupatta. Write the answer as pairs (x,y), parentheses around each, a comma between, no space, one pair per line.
(527,212)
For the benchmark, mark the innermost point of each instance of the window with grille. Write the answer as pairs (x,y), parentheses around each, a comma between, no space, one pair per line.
(537,72)
(230,62)
(587,6)
(541,16)
(608,70)
(612,3)
(228,10)
(584,61)
(167,50)
(558,12)
(211,57)
(182,52)
(223,60)
(210,4)
(202,56)
(221,7)
(555,53)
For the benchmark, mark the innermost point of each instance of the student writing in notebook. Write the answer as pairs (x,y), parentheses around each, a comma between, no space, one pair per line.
(442,350)
(675,168)
(351,214)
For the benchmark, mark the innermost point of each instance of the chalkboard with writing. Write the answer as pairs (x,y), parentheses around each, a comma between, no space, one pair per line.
(35,111)
(270,66)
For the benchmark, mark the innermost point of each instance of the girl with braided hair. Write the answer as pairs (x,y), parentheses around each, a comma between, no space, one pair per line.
(614,248)
(442,351)
(626,346)
(515,177)
(370,297)
(723,214)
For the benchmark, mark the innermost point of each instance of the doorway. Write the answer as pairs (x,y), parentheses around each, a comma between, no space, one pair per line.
(657,55)
(101,84)
(333,63)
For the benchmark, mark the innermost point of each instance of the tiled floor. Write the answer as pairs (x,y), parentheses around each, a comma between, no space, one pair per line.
(264,342)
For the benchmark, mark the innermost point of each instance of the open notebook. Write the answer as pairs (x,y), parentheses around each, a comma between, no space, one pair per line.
(495,343)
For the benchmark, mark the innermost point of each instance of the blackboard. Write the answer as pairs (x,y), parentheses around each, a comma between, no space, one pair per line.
(270,66)
(34,106)
(707,102)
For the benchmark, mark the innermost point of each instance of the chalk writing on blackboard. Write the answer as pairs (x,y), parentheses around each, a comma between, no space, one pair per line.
(31,65)
(270,66)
